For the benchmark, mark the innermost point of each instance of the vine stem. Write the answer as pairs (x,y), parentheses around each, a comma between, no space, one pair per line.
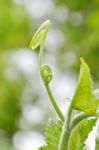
(55,105)
(41,54)
(42,45)
(63,144)
(77,119)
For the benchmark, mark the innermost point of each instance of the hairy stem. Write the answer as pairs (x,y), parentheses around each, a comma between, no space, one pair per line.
(63,144)
(55,105)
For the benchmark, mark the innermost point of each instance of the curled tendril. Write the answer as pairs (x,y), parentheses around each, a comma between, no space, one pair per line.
(45,70)
(39,38)
(46,73)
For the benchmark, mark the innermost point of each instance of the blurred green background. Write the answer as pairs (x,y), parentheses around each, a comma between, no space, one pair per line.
(24,106)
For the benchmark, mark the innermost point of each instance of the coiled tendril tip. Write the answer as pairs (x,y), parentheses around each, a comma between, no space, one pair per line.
(39,38)
(40,35)
(46,73)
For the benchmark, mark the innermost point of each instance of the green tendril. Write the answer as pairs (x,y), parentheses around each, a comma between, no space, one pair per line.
(46,73)
(39,39)
(45,70)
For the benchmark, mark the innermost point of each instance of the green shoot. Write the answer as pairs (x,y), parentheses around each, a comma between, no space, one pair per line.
(45,70)
(68,133)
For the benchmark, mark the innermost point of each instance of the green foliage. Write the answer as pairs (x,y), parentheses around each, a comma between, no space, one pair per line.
(14,25)
(80,134)
(61,135)
(84,98)
(5,145)
(10,92)
(53,132)
(81,32)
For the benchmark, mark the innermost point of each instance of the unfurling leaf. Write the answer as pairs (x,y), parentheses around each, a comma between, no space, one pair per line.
(80,134)
(84,99)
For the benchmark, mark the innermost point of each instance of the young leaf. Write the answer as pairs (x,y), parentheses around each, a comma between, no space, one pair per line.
(80,134)
(84,98)
(53,132)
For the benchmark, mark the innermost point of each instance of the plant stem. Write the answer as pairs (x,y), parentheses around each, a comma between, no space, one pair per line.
(63,144)
(40,54)
(77,119)
(42,47)
(56,107)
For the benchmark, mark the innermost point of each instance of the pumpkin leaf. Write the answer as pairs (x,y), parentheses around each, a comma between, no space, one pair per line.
(80,134)
(84,98)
